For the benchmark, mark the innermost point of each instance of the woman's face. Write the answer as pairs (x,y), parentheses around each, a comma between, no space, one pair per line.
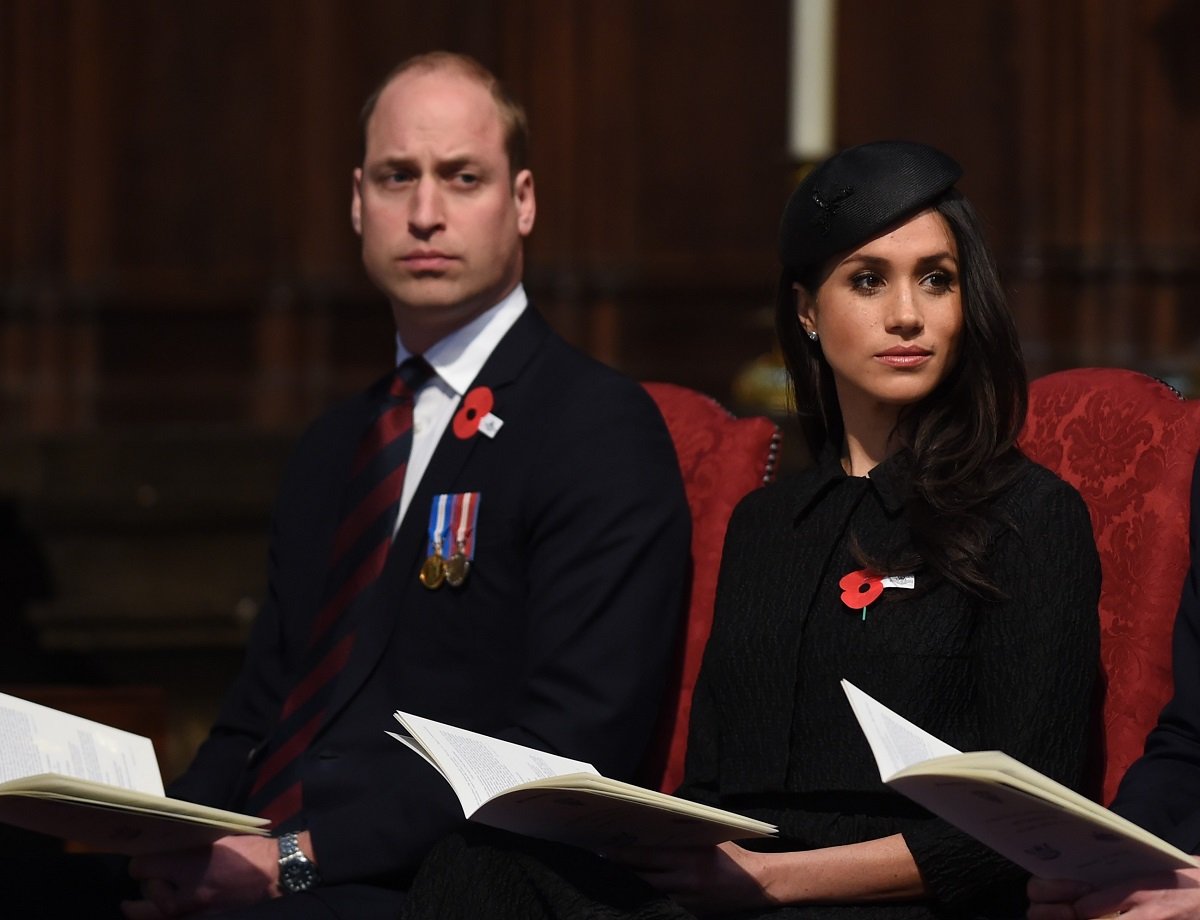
(889,316)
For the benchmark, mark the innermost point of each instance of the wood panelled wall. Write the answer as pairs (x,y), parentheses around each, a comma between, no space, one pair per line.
(175,244)
(174,181)
(180,288)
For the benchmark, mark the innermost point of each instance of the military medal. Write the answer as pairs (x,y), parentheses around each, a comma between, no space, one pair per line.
(465,509)
(457,568)
(433,569)
(451,527)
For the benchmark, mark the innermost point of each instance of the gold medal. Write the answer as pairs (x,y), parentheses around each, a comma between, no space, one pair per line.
(433,572)
(457,567)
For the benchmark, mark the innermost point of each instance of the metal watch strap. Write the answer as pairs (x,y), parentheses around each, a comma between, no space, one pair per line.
(296,871)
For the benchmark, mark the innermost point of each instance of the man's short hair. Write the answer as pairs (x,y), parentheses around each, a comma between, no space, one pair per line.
(512,114)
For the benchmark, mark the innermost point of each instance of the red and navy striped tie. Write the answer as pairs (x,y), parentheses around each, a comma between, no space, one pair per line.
(360,548)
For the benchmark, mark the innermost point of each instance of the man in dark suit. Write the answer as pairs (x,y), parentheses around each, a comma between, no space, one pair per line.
(533,581)
(1160,791)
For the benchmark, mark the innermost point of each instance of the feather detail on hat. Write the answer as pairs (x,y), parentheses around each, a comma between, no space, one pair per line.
(855,195)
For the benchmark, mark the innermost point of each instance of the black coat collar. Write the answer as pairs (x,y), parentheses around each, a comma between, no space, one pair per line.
(892,480)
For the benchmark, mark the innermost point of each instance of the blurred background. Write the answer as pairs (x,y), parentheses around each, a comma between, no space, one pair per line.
(180,289)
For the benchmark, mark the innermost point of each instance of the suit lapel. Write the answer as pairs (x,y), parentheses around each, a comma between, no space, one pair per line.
(378,615)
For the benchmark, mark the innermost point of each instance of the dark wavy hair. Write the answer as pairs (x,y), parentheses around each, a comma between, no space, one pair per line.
(962,436)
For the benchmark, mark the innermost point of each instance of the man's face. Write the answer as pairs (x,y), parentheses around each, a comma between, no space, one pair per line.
(441,219)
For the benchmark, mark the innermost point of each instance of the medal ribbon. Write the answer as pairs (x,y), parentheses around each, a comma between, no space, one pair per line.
(466,509)
(452,524)
(439,530)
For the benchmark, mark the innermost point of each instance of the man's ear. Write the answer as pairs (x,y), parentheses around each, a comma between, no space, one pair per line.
(356,202)
(525,200)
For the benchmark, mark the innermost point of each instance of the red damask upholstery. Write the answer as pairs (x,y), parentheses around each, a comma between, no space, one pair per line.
(1128,443)
(721,458)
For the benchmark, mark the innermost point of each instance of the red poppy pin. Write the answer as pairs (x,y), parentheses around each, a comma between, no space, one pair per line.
(863,587)
(476,414)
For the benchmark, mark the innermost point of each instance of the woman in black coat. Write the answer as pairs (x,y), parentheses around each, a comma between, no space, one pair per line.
(923,558)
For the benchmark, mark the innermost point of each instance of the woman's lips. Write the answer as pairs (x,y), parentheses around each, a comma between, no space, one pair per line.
(901,356)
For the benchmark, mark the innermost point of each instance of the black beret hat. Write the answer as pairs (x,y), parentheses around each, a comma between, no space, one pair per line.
(856,194)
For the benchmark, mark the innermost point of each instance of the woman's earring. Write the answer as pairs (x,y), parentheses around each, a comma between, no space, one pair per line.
(812,336)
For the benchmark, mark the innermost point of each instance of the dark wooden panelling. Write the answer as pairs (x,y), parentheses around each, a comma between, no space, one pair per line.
(935,72)
(168,160)
(191,168)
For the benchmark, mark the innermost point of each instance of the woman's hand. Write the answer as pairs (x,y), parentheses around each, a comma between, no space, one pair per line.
(1170,896)
(705,880)
(709,880)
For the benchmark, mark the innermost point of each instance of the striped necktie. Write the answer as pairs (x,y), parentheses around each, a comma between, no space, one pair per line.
(360,548)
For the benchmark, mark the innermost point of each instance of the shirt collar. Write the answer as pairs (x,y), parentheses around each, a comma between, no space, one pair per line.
(891,479)
(460,356)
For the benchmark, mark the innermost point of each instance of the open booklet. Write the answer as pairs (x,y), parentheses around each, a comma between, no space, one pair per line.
(97,785)
(520,789)
(1025,816)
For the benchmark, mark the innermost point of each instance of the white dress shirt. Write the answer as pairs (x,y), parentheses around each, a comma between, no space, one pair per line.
(456,360)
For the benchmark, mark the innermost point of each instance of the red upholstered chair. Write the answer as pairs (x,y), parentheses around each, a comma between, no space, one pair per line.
(1128,443)
(721,458)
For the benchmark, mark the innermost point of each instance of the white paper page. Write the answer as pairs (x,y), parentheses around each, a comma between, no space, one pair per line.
(478,767)
(601,821)
(1038,834)
(895,742)
(36,739)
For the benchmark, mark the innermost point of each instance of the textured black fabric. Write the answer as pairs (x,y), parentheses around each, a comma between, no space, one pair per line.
(483,872)
(772,734)
(855,195)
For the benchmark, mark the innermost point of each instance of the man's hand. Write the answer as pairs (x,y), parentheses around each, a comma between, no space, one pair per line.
(1168,896)
(234,871)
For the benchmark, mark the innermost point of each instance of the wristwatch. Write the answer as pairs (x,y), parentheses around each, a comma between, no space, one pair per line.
(296,871)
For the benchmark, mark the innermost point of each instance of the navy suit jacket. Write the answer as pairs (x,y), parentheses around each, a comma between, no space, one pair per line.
(1161,790)
(559,639)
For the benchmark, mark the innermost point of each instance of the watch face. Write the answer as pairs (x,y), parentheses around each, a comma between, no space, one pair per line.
(297,876)
(296,872)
